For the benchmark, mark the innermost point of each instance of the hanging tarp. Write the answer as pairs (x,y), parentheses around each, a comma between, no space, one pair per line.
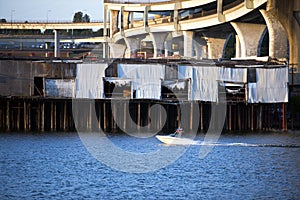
(59,87)
(204,82)
(270,87)
(89,80)
(227,74)
(146,79)
(175,84)
(118,81)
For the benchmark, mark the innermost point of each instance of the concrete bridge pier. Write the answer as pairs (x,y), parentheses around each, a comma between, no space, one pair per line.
(168,47)
(200,47)
(249,36)
(188,43)
(158,40)
(277,36)
(133,46)
(117,50)
(215,46)
(287,13)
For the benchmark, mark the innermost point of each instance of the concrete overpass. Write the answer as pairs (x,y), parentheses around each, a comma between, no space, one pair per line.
(51,26)
(193,28)
(49,39)
(204,28)
(56,27)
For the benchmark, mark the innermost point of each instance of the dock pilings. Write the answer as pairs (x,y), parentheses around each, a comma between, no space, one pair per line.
(22,114)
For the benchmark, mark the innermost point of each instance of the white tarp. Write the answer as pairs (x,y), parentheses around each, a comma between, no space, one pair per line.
(233,74)
(118,82)
(270,87)
(172,84)
(204,82)
(146,79)
(59,87)
(89,80)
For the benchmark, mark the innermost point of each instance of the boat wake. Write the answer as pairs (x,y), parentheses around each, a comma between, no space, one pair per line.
(169,140)
(237,144)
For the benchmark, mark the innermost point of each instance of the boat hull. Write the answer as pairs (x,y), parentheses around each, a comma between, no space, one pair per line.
(175,140)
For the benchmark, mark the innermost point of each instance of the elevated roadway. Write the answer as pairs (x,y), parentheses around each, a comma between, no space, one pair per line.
(51,26)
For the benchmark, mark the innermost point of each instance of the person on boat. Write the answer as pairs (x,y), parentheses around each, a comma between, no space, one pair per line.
(177,133)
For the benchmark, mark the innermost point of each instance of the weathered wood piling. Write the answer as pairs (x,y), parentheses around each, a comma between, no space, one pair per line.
(52,115)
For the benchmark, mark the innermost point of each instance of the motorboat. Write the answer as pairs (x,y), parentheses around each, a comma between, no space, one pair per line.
(175,138)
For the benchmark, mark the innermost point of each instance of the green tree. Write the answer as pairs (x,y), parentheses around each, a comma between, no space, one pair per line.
(86,18)
(78,17)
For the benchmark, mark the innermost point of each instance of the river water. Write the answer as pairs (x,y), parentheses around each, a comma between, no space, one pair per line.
(58,166)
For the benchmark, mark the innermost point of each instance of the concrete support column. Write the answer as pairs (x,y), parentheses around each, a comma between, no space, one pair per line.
(131,20)
(125,20)
(249,4)
(168,47)
(105,34)
(105,21)
(105,50)
(287,12)
(117,50)
(200,48)
(175,17)
(47,47)
(133,46)
(277,36)
(188,43)
(121,22)
(237,47)
(158,43)
(249,35)
(56,44)
(145,18)
(113,24)
(215,47)
(221,16)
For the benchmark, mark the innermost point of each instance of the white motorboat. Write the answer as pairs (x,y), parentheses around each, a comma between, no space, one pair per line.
(175,138)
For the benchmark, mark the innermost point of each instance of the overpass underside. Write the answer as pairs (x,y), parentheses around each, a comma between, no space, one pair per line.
(211,29)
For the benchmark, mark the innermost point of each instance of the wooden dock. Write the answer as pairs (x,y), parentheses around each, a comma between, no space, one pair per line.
(51,115)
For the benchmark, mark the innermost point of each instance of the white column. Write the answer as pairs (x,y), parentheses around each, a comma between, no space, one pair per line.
(133,46)
(168,47)
(117,50)
(237,47)
(188,43)
(158,40)
(105,44)
(56,44)
(145,18)
(221,16)
(249,35)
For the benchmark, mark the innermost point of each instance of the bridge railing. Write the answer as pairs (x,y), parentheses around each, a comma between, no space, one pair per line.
(48,22)
(139,1)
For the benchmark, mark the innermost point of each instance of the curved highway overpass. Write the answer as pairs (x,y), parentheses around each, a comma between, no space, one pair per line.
(203,29)
(194,28)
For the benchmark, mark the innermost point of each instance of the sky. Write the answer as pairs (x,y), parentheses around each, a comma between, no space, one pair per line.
(54,10)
